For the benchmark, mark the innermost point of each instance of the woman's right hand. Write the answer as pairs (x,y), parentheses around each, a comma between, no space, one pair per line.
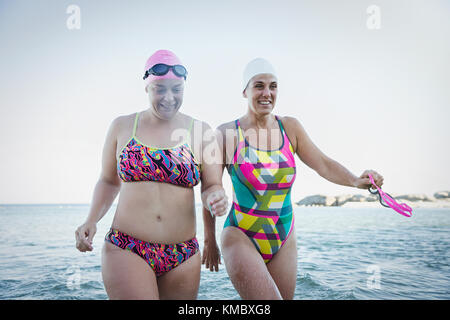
(84,235)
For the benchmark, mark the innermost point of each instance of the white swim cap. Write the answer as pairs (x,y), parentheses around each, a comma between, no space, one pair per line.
(255,67)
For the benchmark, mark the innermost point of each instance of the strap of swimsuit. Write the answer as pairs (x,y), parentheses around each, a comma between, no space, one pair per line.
(135,124)
(240,138)
(190,126)
(188,141)
(239,130)
(280,124)
(283,132)
(188,137)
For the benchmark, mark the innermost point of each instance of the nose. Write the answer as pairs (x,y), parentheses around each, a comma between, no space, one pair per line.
(266,92)
(169,97)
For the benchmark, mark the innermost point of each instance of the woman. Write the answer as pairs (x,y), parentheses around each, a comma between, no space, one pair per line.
(151,251)
(258,241)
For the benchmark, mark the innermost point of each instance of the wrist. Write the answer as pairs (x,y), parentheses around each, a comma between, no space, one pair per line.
(210,236)
(211,189)
(210,241)
(91,221)
(354,182)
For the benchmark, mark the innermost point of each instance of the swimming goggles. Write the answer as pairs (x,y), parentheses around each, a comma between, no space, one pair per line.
(389,202)
(161,69)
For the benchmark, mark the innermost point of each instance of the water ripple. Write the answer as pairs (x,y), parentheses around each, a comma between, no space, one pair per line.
(342,252)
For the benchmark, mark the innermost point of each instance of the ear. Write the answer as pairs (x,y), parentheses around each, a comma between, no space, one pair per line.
(244,93)
(146,89)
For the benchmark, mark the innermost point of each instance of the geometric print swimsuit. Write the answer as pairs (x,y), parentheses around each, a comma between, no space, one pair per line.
(262,182)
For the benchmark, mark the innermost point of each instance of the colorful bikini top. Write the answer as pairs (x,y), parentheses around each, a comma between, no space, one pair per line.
(176,165)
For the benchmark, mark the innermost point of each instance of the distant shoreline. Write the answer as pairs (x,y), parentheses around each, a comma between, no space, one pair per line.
(440,199)
(414,205)
(421,204)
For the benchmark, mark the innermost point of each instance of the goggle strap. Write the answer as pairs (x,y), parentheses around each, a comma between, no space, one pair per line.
(401,208)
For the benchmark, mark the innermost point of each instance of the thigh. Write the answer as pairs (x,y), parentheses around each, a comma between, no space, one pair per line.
(126,275)
(181,282)
(246,267)
(283,267)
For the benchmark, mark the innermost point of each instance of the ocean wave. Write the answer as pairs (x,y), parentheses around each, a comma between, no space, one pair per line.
(39,259)
(307,281)
(310,288)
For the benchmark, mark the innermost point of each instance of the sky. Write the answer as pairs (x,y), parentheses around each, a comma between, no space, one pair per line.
(368,80)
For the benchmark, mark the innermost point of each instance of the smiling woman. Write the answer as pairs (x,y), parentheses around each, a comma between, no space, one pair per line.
(166,96)
(151,250)
(164,85)
(258,240)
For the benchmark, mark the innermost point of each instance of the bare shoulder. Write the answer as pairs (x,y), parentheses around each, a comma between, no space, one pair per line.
(293,127)
(187,121)
(226,126)
(291,123)
(200,134)
(123,121)
(120,128)
(204,125)
(199,128)
(227,131)
(229,138)
(294,130)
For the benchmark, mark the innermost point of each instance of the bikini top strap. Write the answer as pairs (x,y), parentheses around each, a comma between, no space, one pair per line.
(135,124)
(188,137)
(190,126)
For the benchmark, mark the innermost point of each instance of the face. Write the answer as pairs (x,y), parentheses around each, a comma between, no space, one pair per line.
(166,97)
(261,93)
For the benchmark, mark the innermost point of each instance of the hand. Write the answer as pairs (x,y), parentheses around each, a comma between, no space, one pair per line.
(84,235)
(217,202)
(363,182)
(211,256)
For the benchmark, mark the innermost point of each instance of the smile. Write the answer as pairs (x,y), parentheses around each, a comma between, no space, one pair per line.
(167,108)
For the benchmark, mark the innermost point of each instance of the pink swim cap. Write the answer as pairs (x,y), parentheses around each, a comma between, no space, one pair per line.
(162,56)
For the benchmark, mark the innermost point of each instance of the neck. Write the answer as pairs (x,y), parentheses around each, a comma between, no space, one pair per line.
(155,118)
(259,120)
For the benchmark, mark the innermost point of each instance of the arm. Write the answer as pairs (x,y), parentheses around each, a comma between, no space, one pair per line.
(212,192)
(326,167)
(106,190)
(213,196)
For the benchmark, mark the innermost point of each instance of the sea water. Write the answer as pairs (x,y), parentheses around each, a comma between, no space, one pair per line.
(343,253)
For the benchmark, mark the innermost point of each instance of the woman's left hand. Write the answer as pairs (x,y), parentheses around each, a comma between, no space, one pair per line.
(217,202)
(211,255)
(363,182)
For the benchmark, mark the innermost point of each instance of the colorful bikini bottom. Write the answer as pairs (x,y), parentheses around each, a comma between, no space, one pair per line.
(160,257)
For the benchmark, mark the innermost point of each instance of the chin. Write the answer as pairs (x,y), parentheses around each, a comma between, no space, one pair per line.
(264,110)
(166,114)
